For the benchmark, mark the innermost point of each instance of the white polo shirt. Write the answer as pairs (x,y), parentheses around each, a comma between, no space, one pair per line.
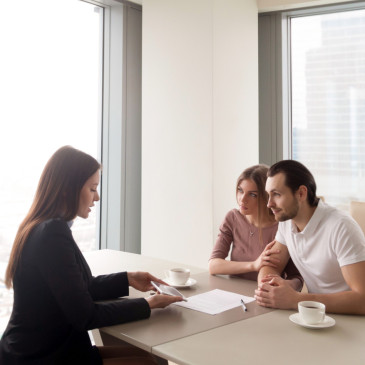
(330,240)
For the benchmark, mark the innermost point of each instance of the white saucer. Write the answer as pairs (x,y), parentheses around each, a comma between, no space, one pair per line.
(190,282)
(328,322)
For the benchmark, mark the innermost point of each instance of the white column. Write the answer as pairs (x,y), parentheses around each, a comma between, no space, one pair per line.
(199,120)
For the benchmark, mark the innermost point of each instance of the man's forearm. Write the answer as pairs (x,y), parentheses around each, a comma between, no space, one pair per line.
(266,270)
(348,302)
(281,253)
(278,293)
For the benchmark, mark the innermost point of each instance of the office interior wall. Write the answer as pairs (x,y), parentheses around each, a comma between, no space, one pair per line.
(199,120)
(235,100)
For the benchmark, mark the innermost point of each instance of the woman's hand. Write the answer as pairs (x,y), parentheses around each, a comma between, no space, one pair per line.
(295,283)
(266,258)
(142,280)
(161,300)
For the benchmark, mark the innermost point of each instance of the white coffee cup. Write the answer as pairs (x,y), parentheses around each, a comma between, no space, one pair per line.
(178,276)
(312,312)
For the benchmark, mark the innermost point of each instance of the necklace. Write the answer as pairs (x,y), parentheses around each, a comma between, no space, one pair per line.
(250,224)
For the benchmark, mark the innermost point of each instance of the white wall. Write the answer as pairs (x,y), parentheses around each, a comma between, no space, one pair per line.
(199,120)
(235,99)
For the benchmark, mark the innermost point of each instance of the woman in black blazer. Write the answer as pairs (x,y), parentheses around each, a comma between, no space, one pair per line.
(54,292)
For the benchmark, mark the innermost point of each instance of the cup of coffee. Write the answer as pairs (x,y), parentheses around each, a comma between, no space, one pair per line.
(178,276)
(312,312)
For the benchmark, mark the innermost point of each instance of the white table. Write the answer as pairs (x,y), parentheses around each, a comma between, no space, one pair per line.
(233,337)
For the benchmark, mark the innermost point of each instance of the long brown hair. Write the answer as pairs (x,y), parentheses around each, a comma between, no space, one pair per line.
(57,196)
(258,174)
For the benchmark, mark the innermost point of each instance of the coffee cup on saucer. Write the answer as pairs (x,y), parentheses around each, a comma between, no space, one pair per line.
(178,276)
(312,312)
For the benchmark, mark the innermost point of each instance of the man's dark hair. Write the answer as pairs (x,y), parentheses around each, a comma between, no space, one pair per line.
(296,174)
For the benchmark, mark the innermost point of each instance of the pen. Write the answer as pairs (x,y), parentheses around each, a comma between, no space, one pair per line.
(243,305)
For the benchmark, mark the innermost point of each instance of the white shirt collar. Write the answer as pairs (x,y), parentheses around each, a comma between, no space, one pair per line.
(312,223)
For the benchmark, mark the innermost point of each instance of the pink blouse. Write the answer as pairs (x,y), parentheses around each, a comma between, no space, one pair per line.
(246,245)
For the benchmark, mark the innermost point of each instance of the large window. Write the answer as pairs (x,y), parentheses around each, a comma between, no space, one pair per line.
(328,101)
(50,92)
(312,95)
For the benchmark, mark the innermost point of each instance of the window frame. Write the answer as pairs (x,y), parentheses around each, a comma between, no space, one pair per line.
(111,177)
(287,16)
(113,213)
(275,108)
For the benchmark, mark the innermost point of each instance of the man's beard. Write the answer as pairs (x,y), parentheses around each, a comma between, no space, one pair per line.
(292,213)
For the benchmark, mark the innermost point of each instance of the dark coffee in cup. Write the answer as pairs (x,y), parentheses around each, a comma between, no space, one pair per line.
(312,312)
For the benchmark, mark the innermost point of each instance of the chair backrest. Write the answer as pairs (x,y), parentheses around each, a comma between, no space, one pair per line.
(357,211)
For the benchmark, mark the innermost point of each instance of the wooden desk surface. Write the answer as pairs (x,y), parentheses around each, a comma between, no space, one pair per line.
(272,339)
(258,337)
(109,261)
(173,322)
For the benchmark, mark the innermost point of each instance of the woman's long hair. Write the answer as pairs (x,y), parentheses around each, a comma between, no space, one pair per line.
(57,196)
(258,174)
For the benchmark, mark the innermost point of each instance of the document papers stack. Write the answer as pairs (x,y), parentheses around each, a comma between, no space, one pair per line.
(215,301)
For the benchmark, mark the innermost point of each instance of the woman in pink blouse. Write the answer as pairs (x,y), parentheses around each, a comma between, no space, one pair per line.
(250,230)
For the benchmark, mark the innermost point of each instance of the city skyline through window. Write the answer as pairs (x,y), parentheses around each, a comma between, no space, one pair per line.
(328,102)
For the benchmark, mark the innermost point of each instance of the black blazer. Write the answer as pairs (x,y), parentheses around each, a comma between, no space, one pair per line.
(55,302)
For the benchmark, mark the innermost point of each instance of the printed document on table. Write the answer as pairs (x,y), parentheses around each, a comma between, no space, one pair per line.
(215,301)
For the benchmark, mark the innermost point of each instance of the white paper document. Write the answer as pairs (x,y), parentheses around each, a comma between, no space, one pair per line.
(215,301)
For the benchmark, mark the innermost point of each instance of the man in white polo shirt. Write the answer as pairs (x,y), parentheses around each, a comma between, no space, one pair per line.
(326,245)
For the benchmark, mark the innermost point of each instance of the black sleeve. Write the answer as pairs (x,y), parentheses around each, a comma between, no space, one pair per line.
(110,286)
(66,280)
